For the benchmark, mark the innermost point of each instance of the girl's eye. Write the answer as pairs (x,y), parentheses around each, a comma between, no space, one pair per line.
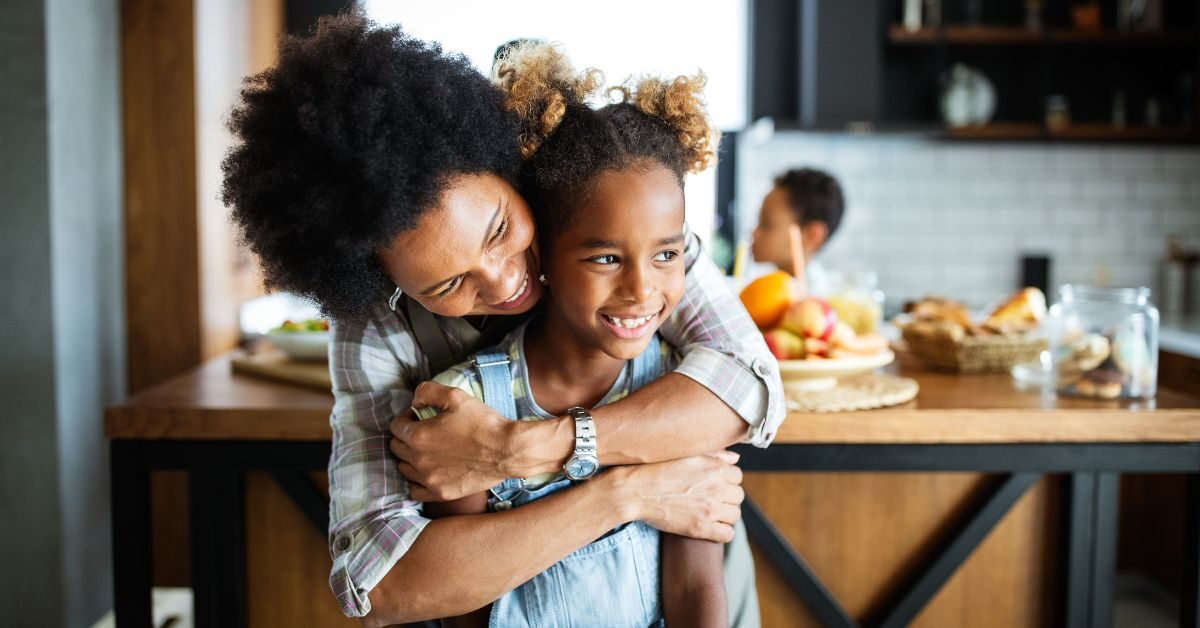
(666,256)
(603,260)
(450,287)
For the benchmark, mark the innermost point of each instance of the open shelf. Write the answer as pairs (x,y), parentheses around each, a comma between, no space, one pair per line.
(1076,132)
(957,35)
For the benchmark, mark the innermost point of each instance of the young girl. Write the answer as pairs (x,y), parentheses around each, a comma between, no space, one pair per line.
(606,188)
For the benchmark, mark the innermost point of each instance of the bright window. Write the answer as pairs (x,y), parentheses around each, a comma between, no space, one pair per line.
(620,37)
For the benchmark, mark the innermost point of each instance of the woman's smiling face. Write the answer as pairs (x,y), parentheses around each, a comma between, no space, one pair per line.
(473,254)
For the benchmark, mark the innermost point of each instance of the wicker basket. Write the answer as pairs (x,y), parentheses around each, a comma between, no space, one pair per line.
(974,354)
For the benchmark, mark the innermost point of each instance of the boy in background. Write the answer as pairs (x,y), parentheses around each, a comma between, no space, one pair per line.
(806,197)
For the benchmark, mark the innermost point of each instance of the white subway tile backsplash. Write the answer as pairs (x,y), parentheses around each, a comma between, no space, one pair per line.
(1177,159)
(1158,187)
(956,218)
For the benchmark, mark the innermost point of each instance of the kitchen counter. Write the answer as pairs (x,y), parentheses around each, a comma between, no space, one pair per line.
(221,427)
(210,403)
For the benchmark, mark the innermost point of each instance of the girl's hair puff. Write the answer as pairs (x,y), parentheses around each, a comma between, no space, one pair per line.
(538,83)
(567,143)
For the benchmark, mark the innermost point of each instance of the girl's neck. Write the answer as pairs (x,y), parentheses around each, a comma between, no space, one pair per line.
(564,371)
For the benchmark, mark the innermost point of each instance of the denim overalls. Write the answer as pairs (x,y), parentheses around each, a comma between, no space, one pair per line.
(612,582)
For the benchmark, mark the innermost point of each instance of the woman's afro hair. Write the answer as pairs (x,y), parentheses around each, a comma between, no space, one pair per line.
(344,144)
(566,143)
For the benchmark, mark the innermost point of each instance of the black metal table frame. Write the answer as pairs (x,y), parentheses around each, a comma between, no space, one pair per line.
(217,503)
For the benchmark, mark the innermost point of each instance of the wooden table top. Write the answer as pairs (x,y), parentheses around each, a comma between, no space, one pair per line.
(212,403)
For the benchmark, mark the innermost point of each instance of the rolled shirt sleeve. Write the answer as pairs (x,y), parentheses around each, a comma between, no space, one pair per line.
(374,366)
(722,348)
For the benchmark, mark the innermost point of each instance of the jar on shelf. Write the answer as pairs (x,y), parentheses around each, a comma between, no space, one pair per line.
(1104,342)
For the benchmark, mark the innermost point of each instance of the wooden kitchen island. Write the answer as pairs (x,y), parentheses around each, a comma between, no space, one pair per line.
(977,504)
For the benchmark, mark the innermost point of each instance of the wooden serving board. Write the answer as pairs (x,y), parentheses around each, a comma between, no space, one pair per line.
(273,364)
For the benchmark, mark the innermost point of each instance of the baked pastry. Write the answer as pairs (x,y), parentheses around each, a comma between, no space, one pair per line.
(1023,311)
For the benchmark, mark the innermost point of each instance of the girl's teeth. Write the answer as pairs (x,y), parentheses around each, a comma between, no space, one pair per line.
(628,323)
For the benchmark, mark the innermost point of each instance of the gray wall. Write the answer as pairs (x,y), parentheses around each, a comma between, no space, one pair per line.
(60,271)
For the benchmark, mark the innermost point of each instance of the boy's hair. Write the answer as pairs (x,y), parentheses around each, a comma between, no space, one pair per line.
(344,144)
(566,143)
(814,196)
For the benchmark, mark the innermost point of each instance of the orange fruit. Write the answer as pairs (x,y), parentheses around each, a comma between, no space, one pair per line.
(768,298)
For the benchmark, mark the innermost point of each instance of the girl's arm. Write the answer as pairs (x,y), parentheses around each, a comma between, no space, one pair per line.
(693,584)
(726,390)
(471,505)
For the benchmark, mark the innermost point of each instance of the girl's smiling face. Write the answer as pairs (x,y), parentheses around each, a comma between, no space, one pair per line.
(616,270)
(473,254)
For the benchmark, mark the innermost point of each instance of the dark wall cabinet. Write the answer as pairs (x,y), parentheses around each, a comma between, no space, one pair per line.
(838,64)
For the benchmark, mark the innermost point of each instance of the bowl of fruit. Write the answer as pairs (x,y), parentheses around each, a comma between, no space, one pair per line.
(813,347)
(302,340)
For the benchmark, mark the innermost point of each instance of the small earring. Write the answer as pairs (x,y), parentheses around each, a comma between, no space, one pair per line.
(542,278)
(395,298)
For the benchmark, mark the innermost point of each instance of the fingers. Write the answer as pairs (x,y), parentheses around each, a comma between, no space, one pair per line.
(726,456)
(401,426)
(436,395)
(720,532)
(401,449)
(418,492)
(732,494)
(410,472)
(728,514)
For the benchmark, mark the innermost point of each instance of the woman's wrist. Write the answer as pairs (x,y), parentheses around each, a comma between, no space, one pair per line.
(537,447)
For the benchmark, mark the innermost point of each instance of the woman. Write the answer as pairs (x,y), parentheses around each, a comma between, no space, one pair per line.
(374,175)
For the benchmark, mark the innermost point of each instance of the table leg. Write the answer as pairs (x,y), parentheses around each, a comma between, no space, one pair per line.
(1189,607)
(130,534)
(218,530)
(1080,505)
(1104,549)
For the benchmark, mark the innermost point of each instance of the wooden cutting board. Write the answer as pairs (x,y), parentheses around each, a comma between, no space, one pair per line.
(273,364)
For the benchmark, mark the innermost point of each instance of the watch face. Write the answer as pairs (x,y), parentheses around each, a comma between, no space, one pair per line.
(580,468)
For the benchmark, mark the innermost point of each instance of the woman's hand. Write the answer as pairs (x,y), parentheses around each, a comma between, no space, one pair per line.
(699,497)
(466,449)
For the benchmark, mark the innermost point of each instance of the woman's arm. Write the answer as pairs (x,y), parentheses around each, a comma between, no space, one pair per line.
(693,584)
(461,563)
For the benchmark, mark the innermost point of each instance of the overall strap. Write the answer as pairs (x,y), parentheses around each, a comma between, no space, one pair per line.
(429,337)
(647,367)
(496,377)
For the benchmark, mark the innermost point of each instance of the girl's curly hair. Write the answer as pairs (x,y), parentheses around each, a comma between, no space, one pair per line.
(566,142)
(344,144)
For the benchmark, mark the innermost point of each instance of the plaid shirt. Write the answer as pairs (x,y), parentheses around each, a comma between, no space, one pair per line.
(375,365)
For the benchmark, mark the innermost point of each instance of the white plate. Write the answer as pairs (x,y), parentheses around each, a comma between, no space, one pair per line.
(823,374)
(301,345)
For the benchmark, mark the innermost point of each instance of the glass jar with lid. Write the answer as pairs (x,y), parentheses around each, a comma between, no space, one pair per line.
(1104,342)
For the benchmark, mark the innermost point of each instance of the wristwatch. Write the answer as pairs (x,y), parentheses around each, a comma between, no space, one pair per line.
(583,464)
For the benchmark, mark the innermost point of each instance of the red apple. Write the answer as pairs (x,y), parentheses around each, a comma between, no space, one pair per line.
(810,318)
(784,345)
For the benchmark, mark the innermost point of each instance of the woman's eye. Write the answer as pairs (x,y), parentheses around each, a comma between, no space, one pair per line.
(666,256)
(604,259)
(500,229)
(450,287)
